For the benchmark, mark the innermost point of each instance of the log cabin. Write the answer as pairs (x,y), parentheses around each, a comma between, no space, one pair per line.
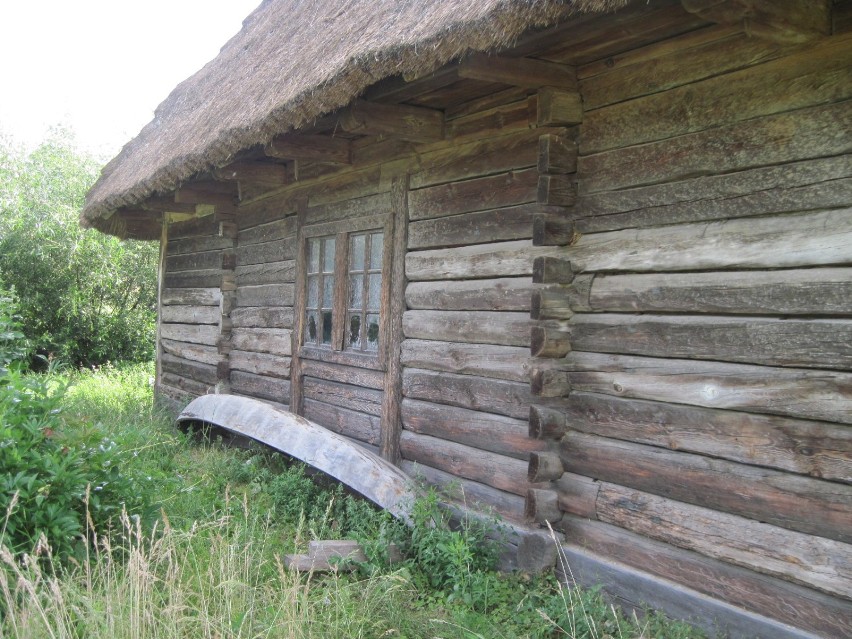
(589,260)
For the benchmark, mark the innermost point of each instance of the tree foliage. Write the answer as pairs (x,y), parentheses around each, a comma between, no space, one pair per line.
(85,298)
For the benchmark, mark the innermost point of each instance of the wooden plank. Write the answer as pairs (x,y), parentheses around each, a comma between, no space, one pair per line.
(349,209)
(466,391)
(823,564)
(194,261)
(485,193)
(266,295)
(275,251)
(192,296)
(494,225)
(497,471)
(275,341)
(208,278)
(787,137)
(320,148)
(351,423)
(266,211)
(402,121)
(197,244)
(820,238)
(251,385)
(268,273)
(500,118)
(521,72)
(484,360)
(356,376)
(818,449)
(500,259)
(809,343)
(494,433)
(194,333)
(259,363)
(196,371)
(180,314)
(471,327)
(816,291)
(504,294)
(822,395)
(818,75)
(363,400)
(277,230)
(790,501)
(193,352)
(262,317)
(822,183)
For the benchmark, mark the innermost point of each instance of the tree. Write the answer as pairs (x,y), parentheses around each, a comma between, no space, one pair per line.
(85,297)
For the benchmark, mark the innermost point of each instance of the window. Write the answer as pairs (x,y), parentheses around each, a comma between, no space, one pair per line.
(344,290)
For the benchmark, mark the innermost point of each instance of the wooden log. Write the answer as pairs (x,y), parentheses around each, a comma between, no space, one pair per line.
(549,382)
(268,273)
(201,227)
(185,388)
(494,433)
(164,204)
(275,341)
(351,423)
(485,104)
(509,112)
(552,270)
(363,400)
(194,261)
(556,190)
(811,343)
(465,391)
(191,296)
(180,314)
(557,154)
(197,244)
(522,72)
(547,341)
(550,304)
(822,395)
(823,564)
(349,209)
(742,145)
(478,194)
(544,466)
(578,495)
(546,423)
(791,501)
(204,373)
(471,327)
(276,389)
(259,363)
(549,230)
(263,172)
(501,259)
(497,471)
(483,360)
(336,372)
(275,251)
(265,295)
(194,333)
(266,211)
(208,278)
(224,202)
(558,108)
(819,238)
(818,449)
(504,294)
(319,148)
(494,225)
(795,21)
(542,506)
(193,352)
(276,230)
(262,317)
(416,124)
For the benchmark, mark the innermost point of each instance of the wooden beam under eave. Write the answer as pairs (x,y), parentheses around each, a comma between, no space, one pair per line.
(415,124)
(519,72)
(784,21)
(167,205)
(222,202)
(256,172)
(313,148)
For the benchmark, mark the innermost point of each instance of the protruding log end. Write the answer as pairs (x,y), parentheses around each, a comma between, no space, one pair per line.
(546,423)
(552,270)
(542,506)
(551,304)
(544,466)
(549,383)
(549,342)
(552,231)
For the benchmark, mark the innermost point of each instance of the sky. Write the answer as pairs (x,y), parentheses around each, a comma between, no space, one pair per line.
(101,67)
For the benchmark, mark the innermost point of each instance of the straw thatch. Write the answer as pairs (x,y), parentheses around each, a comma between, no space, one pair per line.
(295,60)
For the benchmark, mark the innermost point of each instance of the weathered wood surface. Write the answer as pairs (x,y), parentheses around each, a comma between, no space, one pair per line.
(813,291)
(822,395)
(349,209)
(552,230)
(820,183)
(553,303)
(556,190)
(824,564)
(275,341)
(194,352)
(364,400)
(203,227)
(195,333)
(810,343)
(197,244)
(183,387)
(269,232)
(262,317)
(208,278)
(544,466)
(194,261)
(500,259)
(479,227)
(523,72)
(191,296)
(196,371)
(510,111)
(542,506)
(273,388)
(265,295)
(787,137)
(275,251)
(578,495)
(552,270)
(259,363)
(504,294)
(466,391)
(370,475)
(494,433)
(184,314)
(546,423)
(268,273)
(778,599)
(497,471)
(556,154)
(351,423)
(478,327)
(407,122)
(820,238)
(818,449)
(485,360)
(336,372)
(548,341)
(555,107)
(791,501)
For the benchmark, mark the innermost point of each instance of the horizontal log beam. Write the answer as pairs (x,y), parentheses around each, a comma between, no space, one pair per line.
(556,107)
(262,172)
(416,124)
(546,423)
(790,21)
(522,72)
(544,466)
(313,148)
(542,506)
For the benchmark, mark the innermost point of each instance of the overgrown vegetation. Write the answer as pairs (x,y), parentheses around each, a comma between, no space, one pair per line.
(86,298)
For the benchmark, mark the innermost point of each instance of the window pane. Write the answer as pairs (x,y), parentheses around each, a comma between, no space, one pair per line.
(328,291)
(313,256)
(355,331)
(372,332)
(375,291)
(311,329)
(357,247)
(313,292)
(356,291)
(326,327)
(328,255)
(376,244)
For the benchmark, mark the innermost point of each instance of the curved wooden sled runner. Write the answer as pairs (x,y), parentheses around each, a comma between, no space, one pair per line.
(369,474)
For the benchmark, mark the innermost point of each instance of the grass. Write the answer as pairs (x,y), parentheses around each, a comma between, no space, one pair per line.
(203,559)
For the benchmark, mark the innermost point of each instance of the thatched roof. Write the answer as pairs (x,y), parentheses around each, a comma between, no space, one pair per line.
(295,60)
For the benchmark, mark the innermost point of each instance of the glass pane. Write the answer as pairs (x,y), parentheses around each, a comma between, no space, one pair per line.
(372,332)
(313,292)
(328,291)
(357,247)
(375,291)
(326,327)
(311,329)
(313,256)
(355,331)
(376,244)
(328,255)
(356,291)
